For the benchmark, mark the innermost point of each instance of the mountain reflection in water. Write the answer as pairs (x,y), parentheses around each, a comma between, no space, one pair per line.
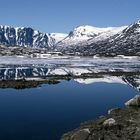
(81,93)
(28,76)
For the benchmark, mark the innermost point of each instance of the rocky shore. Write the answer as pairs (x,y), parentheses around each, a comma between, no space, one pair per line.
(118,124)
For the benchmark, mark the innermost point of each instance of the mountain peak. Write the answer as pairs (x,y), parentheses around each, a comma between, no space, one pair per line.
(91,29)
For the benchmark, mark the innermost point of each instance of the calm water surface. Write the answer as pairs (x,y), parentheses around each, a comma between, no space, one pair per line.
(46,112)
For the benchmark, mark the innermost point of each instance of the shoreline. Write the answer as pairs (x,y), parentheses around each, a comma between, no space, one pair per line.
(117,124)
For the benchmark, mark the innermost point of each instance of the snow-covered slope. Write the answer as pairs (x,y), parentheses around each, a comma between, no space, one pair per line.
(127,42)
(107,34)
(83,34)
(58,36)
(54,38)
(116,41)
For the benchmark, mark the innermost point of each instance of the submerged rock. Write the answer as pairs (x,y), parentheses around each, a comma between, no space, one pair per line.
(134,101)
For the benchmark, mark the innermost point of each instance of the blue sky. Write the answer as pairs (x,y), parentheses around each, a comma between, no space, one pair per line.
(64,15)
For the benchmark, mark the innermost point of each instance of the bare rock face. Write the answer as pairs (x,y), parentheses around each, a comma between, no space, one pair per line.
(134,101)
(23,37)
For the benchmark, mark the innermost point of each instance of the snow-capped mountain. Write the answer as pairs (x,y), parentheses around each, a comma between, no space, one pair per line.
(128,41)
(83,40)
(28,37)
(116,41)
(85,34)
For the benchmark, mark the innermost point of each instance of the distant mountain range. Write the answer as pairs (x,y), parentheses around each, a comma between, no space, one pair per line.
(28,37)
(83,40)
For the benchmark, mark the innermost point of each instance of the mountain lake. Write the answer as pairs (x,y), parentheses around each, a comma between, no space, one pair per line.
(41,99)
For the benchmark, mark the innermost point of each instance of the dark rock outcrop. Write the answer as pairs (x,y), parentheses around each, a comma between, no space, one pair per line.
(23,37)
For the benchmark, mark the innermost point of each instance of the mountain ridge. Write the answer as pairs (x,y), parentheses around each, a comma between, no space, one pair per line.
(27,37)
(84,40)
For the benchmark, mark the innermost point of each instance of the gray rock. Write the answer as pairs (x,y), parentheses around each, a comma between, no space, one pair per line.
(81,135)
(134,101)
(109,122)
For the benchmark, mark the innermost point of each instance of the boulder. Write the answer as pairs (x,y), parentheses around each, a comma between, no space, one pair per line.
(109,122)
(134,101)
(81,135)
